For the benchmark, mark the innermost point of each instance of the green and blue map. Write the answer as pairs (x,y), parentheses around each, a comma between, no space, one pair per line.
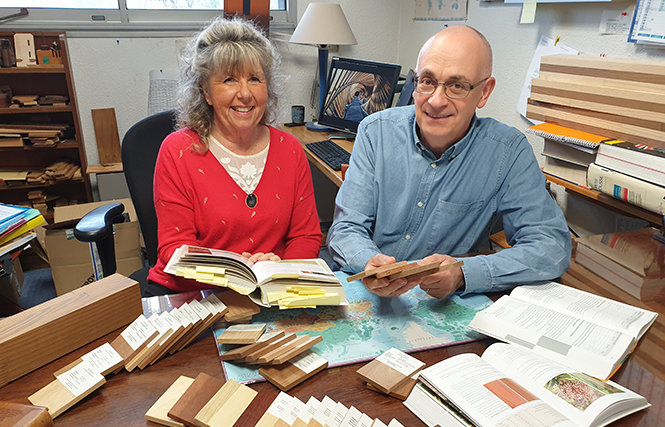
(369,326)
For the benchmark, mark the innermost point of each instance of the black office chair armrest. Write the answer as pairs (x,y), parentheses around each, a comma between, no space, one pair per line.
(97,226)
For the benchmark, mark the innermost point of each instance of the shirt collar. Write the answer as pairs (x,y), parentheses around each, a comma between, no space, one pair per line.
(455,149)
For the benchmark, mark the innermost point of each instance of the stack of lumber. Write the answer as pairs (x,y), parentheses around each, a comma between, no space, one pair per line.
(39,199)
(63,170)
(619,98)
(38,135)
(55,100)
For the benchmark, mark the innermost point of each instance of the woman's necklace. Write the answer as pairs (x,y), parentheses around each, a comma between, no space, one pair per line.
(251,200)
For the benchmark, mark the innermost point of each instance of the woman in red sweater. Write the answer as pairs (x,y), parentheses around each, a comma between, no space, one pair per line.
(226,180)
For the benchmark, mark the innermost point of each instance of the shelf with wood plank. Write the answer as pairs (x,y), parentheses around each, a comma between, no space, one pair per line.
(4,186)
(608,202)
(40,109)
(64,145)
(37,69)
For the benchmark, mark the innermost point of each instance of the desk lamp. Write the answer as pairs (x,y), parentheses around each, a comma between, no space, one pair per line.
(323,24)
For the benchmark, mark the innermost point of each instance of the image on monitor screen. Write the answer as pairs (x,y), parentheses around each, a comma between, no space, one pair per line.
(357,89)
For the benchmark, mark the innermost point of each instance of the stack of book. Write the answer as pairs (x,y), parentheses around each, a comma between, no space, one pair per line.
(568,152)
(16,223)
(634,173)
(631,260)
(560,346)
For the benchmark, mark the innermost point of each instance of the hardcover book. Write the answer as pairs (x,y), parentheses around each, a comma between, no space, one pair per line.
(638,160)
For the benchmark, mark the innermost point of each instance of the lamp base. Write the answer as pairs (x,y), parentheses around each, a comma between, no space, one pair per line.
(315,127)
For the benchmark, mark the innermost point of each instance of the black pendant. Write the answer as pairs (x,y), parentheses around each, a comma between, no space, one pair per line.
(251,200)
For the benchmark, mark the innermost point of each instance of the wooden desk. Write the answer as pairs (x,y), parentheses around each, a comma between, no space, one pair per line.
(125,398)
(305,136)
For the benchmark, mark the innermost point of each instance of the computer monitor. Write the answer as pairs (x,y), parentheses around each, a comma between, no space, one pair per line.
(357,89)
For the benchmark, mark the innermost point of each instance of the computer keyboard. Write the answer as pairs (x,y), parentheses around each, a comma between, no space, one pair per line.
(332,154)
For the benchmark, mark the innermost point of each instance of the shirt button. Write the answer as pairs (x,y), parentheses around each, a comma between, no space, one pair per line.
(420,204)
(408,236)
(433,165)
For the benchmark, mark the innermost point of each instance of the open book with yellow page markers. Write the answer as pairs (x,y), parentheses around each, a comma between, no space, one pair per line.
(301,283)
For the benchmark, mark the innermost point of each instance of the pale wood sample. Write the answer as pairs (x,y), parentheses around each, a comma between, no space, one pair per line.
(273,416)
(390,370)
(256,408)
(242,352)
(134,338)
(57,396)
(240,306)
(253,357)
(187,312)
(164,346)
(195,398)
(283,349)
(105,358)
(242,334)
(69,321)
(291,373)
(226,406)
(426,270)
(19,415)
(162,330)
(375,271)
(629,70)
(158,413)
(208,315)
(400,392)
(296,350)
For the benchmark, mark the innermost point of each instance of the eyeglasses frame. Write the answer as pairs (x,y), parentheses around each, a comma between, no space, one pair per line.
(472,87)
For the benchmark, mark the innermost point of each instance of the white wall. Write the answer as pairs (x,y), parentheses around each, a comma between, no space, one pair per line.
(114,72)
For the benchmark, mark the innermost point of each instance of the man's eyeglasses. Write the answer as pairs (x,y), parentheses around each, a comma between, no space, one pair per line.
(453,89)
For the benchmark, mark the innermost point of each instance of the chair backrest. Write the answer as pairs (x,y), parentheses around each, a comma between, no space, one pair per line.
(140,147)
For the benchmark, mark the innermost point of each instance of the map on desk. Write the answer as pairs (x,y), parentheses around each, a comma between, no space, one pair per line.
(369,325)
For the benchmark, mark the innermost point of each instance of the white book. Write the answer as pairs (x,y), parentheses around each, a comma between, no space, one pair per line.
(637,160)
(511,385)
(567,171)
(587,332)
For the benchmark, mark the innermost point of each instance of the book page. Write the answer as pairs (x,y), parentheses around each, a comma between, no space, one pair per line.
(603,311)
(487,397)
(578,396)
(574,342)
(301,269)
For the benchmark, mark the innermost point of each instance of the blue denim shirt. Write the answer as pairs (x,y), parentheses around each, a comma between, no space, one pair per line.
(399,200)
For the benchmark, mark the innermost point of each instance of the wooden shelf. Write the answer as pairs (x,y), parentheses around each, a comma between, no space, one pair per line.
(4,186)
(65,145)
(43,109)
(608,202)
(37,69)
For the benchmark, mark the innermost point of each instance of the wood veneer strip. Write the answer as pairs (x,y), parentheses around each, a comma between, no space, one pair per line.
(256,408)
(306,345)
(374,271)
(240,306)
(242,334)
(158,413)
(293,372)
(242,352)
(195,398)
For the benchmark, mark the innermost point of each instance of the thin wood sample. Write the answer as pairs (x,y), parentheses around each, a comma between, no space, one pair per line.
(106,133)
(68,389)
(282,349)
(253,357)
(195,398)
(242,352)
(18,415)
(426,270)
(271,417)
(291,373)
(375,271)
(178,331)
(226,406)
(134,338)
(242,334)
(630,70)
(69,321)
(240,306)
(256,408)
(104,359)
(295,350)
(402,391)
(158,413)
(390,370)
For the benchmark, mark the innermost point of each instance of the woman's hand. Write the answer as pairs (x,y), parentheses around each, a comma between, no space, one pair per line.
(260,256)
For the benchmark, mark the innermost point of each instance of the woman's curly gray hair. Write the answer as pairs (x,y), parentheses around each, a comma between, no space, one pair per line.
(224,46)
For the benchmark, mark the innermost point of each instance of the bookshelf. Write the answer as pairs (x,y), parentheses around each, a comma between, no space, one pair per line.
(608,202)
(49,79)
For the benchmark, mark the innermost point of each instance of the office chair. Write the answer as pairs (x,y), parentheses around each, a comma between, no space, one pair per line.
(140,147)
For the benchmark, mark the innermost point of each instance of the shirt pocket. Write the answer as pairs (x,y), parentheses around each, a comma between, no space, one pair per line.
(455,227)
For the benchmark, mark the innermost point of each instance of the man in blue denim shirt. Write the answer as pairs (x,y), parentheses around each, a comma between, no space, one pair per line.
(430,182)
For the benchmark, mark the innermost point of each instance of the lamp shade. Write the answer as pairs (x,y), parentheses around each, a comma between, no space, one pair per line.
(323,24)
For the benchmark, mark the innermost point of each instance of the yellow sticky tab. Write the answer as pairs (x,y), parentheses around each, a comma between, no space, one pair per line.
(210,269)
(285,276)
(327,299)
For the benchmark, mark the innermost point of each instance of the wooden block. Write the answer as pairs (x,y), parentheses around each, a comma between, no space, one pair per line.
(391,271)
(416,270)
(242,334)
(402,391)
(165,332)
(601,82)
(104,359)
(178,329)
(195,398)
(106,133)
(68,389)
(242,352)
(415,274)
(187,318)
(630,70)
(375,271)
(69,321)
(295,351)
(158,413)
(390,370)
(256,408)
(337,415)
(274,415)
(18,415)
(282,349)
(226,406)
(322,412)
(254,356)
(240,306)
(189,313)
(134,338)
(291,373)
(208,317)
(611,129)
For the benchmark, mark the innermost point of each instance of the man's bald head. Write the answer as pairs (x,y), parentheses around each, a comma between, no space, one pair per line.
(471,39)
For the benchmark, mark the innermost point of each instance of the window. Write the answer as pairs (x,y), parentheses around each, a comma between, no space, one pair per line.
(109,17)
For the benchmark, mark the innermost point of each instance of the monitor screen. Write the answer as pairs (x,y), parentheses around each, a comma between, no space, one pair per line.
(357,89)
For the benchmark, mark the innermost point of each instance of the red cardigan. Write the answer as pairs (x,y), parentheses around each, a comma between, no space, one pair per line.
(198,203)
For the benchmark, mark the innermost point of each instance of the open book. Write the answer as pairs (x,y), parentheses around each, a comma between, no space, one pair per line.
(587,332)
(512,386)
(287,283)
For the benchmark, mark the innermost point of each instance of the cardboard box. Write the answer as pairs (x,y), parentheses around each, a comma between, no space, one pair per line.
(70,259)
